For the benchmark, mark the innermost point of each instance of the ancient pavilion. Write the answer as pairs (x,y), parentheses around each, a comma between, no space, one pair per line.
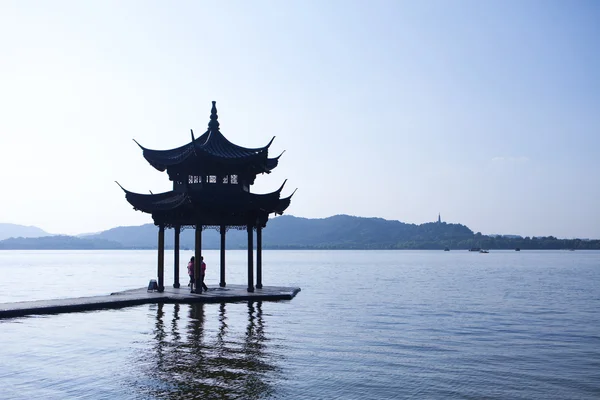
(211,189)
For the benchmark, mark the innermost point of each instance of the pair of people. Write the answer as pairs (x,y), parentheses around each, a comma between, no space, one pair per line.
(191,268)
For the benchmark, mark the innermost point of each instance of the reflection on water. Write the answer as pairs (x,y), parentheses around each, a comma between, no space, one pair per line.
(192,360)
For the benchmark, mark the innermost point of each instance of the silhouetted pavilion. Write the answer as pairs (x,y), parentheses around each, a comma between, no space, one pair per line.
(211,189)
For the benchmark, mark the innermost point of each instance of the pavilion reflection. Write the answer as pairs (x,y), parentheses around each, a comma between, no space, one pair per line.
(192,358)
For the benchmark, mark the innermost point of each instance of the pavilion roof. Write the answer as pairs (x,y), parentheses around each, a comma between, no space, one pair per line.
(212,146)
(205,201)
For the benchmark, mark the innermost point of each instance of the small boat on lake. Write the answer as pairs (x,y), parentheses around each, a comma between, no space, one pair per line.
(483,251)
(517,249)
(475,249)
(446,249)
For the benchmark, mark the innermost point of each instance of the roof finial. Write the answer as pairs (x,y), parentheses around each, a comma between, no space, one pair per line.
(214,123)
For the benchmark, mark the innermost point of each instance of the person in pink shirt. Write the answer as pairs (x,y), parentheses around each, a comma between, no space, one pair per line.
(203,273)
(190,267)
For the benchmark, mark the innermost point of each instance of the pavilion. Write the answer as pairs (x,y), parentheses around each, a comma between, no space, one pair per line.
(211,189)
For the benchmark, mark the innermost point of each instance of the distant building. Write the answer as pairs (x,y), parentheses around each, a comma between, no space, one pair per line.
(439,218)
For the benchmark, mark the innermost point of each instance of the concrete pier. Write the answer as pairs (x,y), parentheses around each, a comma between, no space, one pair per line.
(229,294)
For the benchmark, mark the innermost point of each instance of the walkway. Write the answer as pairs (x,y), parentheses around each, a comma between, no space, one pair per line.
(229,294)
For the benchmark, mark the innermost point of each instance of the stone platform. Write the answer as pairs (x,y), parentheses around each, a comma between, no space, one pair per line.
(229,294)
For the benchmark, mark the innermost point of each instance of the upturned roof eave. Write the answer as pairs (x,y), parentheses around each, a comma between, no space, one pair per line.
(162,159)
(155,202)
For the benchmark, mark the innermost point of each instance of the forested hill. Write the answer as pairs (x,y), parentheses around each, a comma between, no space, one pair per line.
(347,232)
(58,242)
(288,232)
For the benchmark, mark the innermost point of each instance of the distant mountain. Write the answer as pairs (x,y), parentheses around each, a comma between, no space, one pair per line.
(146,237)
(348,232)
(58,242)
(14,230)
(289,232)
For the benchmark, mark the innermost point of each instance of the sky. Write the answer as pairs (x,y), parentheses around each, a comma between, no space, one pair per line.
(486,112)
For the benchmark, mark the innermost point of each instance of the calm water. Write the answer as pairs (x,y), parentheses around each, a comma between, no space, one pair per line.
(367,325)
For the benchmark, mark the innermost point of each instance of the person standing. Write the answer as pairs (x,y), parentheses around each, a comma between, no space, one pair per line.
(190,267)
(203,273)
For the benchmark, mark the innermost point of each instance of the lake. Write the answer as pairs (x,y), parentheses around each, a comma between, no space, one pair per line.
(366,325)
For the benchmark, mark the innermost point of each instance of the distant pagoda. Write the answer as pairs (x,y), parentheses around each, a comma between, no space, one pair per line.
(211,189)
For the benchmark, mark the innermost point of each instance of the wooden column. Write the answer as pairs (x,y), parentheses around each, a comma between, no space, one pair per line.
(197,256)
(250,257)
(259,257)
(222,281)
(176,257)
(161,258)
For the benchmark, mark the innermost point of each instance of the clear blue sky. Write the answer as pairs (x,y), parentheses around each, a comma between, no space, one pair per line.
(488,112)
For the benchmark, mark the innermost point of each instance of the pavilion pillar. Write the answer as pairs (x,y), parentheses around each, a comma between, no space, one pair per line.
(197,256)
(259,257)
(250,257)
(161,258)
(176,257)
(222,281)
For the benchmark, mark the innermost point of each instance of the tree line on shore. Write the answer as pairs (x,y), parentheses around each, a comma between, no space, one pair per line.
(337,232)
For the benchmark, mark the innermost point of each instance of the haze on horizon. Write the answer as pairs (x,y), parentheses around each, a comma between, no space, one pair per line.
(486,112)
